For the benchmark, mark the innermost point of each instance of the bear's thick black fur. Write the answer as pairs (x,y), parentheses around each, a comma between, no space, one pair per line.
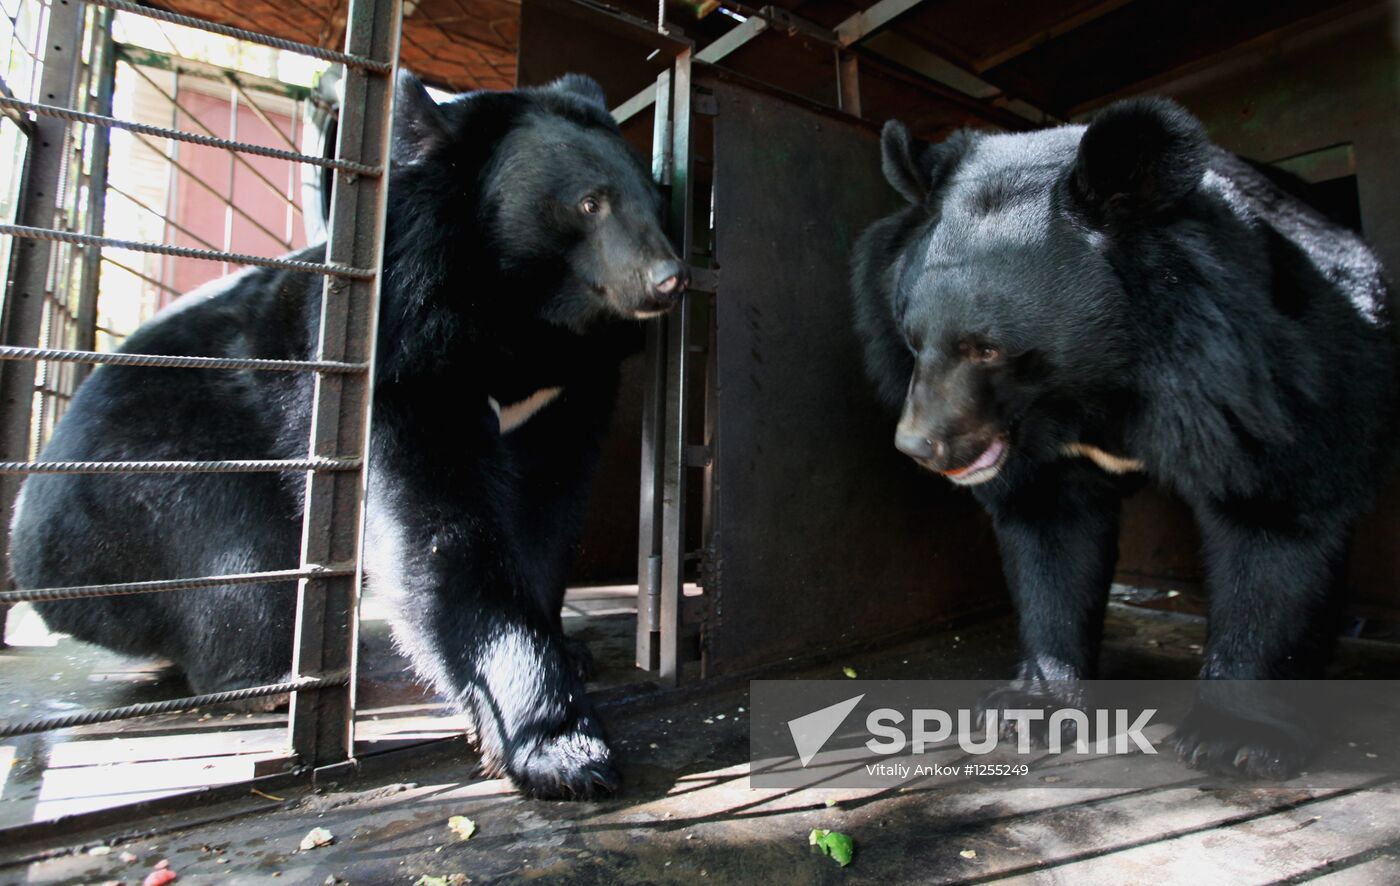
(1059,309)
(522,250)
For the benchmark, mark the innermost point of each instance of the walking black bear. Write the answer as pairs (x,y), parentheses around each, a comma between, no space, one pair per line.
(523,248)
(1058,308)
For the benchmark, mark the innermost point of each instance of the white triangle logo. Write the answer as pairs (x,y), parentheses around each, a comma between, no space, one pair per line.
(811,731)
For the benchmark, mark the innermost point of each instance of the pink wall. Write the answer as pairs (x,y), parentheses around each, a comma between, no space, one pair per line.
(200,211)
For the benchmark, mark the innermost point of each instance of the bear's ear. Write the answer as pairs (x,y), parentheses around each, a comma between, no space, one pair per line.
(904,162)
(917,169)
(583,87)
(1139,157)
(419,123)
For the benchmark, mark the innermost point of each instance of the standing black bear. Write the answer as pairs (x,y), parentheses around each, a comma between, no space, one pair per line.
(523,247)
(1059,308)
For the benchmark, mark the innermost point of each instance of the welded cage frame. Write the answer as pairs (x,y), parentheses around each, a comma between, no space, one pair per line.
(39,368)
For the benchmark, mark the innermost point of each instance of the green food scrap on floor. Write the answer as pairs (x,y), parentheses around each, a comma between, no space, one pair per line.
(462,826)
(834,843)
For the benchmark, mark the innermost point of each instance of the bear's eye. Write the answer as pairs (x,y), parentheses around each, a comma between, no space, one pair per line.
(590,206)
(983,354)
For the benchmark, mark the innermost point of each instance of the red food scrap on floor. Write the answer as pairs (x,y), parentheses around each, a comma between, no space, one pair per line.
(160,876)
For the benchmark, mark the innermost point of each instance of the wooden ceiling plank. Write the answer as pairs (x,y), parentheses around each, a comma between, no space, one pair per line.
(1259,42)
(951,76)
(463,38)
(1059,29)
(867,22)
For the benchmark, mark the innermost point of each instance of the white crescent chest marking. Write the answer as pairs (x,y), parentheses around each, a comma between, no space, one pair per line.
(516,414)
(1114,464)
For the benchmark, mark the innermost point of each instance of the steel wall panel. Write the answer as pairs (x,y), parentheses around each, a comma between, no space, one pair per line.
(824,536)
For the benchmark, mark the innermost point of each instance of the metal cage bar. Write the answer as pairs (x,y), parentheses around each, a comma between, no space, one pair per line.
(320,722)
(171,706)
(192,137)
(347,59)
(215,466)
(104,72)
(49,234)
(24,304)
(79,592)
(176,361)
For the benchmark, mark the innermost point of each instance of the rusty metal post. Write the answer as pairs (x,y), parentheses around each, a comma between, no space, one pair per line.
(31,263)
(848,82)
(661,550)
(322,720)
(677,388)
(104,72)
(653,417)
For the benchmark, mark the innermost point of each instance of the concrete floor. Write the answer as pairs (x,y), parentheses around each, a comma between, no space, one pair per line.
(687,814)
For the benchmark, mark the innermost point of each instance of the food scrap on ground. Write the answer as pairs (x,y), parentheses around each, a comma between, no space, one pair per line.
(839,846)
(462,826)
(161,875)
(316,838)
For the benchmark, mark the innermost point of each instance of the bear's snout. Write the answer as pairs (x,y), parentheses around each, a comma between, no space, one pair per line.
(966,459)
(919,446)
(669,278)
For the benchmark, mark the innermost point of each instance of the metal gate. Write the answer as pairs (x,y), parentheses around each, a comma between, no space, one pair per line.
(49,332)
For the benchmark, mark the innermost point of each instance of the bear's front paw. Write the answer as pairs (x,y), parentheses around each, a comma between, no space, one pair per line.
(1022,696)
(1223,743)
(575,765)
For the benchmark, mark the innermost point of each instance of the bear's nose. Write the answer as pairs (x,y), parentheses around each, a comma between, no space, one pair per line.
(669,278)
(916,445)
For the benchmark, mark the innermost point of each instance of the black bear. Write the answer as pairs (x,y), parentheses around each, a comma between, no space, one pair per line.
(523,251)
(1058,309)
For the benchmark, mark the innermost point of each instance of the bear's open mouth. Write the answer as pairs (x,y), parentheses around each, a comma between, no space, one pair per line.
(984,467)
(651,308)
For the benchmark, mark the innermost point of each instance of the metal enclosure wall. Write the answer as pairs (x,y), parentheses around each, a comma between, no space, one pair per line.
(823,535)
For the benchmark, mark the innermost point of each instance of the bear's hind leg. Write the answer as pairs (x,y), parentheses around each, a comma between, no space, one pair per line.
(1272,606)
(237,637)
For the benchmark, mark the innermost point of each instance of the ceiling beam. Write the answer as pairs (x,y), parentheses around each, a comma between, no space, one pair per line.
(896,57)
(1054,32)
(864,30)
(863,24)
